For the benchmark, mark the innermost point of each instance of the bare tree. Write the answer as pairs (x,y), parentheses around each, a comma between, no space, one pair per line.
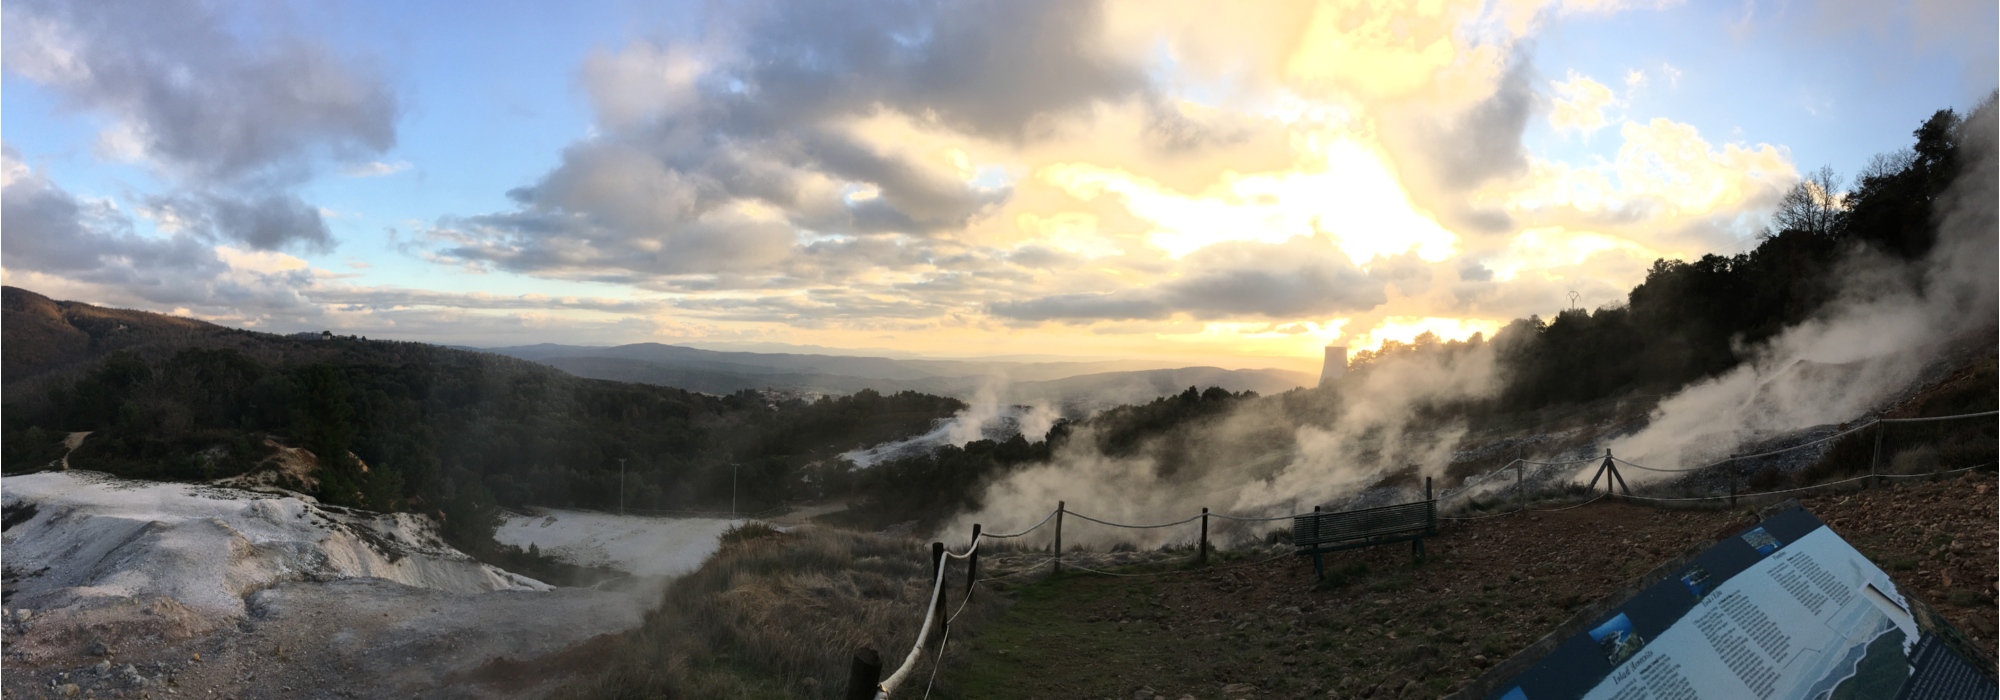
(1813,206)
(1886,165)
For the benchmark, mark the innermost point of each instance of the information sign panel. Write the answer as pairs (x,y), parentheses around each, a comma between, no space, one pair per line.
(1786,610)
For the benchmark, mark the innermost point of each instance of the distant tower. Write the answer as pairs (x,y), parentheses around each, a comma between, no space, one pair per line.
(1336,364)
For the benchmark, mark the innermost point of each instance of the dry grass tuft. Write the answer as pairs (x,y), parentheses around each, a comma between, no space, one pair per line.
(780,615)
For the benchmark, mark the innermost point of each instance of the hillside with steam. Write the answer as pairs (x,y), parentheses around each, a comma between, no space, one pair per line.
(1846,306)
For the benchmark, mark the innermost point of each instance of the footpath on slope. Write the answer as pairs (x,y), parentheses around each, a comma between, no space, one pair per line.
(1381,626)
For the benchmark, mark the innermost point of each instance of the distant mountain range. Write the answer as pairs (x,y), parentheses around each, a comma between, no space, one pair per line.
(1074,387)
(47,340)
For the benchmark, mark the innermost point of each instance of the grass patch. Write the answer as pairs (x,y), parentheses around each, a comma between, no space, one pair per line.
(780,617)
(753,530)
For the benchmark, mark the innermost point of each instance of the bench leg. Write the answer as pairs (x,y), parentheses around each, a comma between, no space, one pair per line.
(1417,548)
(1318,571)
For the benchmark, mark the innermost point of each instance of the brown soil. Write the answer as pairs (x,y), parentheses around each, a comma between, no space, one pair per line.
(1383,627)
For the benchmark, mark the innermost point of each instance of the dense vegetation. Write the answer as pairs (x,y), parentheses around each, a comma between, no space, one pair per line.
(1694,319)
(411,426)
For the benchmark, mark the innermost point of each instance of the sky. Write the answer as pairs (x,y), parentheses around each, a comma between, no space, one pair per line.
(1232,184)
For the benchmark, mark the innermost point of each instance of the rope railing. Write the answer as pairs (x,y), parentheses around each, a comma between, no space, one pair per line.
(945,556)
(1266,519)
(1523,510)
(889,685)
(1936,418)
(1748,495)
(1803,445)
(1182,521)
(1476,479)
(1045,521)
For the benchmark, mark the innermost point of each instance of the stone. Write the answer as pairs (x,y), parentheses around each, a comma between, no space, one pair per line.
(70,690)
(1236,688)
(98,648)
(1142,694)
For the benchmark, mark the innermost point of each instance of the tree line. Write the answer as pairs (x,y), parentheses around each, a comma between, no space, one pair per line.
(407,426)
(1694,319)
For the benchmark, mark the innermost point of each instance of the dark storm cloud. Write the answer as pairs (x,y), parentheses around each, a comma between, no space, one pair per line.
(764,127)
(1299,278)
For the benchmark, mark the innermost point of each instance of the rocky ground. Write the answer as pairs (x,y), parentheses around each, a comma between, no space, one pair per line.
(119,588)
(1381,626)
(350,638)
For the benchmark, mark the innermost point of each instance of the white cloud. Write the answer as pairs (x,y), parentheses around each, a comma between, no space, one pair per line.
(376,168)
(1580,104)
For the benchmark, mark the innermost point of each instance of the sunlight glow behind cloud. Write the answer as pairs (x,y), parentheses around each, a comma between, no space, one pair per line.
(1118,178)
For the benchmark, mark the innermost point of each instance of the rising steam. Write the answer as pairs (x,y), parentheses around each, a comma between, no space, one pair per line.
(1890,322)
(1268,457)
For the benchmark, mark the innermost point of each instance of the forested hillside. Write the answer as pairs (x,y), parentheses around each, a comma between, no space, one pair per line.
(1688,320)
(1695,319)
(427,428)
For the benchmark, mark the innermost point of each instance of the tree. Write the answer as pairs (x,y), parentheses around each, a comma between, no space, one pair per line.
(1813,206)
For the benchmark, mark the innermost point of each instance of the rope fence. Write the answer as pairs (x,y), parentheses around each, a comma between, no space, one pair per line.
(867,669)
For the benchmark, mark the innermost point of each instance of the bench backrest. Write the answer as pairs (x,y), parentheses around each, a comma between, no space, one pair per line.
(1321,528)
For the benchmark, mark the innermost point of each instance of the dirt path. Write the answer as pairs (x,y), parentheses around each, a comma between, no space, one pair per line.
(1383,627)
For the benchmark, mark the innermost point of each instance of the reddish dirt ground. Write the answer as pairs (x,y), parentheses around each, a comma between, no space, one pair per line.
(1383,627)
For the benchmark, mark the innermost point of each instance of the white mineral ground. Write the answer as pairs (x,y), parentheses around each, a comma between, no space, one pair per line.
(117,585)
(636,545)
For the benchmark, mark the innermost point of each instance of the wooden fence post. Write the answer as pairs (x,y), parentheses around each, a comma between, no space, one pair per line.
(864,675)
(943,626)
(1615,476)
(1202,558)
(1059,517)
(972,565)
(1520,486)
(1874,463)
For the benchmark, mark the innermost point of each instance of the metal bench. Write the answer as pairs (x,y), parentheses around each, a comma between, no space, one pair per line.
(1319,533)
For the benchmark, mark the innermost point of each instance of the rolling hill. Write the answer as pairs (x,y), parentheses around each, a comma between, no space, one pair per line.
(1076,387)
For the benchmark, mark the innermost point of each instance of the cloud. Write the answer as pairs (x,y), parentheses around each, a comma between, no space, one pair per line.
(1484,141)
(1302,277)
(376,168)
(1144,175)
(709,160)
(51,231)
(190,96)
(267,221)
(1665,183)
(1580,103)
(231,125)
